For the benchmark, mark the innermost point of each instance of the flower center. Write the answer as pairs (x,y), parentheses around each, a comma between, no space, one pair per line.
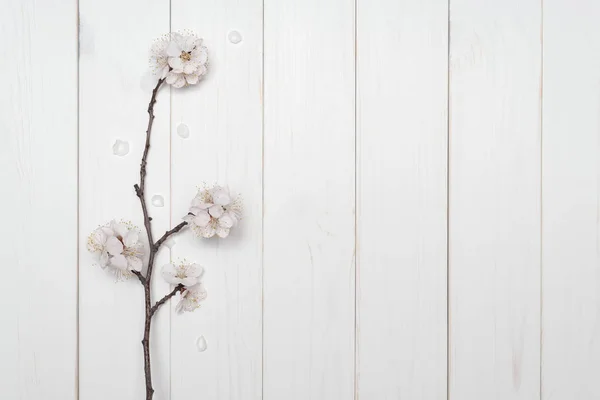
(181,272)
(185,56)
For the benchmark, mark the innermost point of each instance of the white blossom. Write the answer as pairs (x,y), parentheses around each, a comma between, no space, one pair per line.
(214,211)
(117,247)
(159,61)
(185,273)
(191,297)
(180,57)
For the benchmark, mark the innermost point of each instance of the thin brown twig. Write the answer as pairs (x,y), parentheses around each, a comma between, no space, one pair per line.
(139,189)
(162,301)
(140,276)
(164,237)
(147,280)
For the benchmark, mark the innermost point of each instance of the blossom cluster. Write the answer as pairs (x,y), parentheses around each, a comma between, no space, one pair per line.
(214,211)
(180,58)
(188,275)
(118,248)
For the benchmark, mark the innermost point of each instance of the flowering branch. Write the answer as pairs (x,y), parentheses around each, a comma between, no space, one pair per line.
(179,60)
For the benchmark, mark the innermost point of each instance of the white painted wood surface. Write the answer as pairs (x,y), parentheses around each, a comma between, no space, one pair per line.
(38,158)
(494,199)
(571,278)
(401,223)
(224,115)
(420,184)
(309,237)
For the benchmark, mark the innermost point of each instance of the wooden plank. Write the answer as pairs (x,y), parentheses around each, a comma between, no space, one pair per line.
(494,248)
(224,117)
(402,78)
(115,38)
(309,217)
(38,149)
(571,283)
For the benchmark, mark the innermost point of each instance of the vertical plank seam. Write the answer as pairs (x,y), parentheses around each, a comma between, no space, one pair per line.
(356,205)
(541,192)
(448,116)
(262,220)
(170,391)
(77,10)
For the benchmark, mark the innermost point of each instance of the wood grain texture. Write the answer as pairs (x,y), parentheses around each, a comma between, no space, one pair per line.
(402,79)
(356,93)
(494,232)
(309,200)
(112,105)
(224,115)
(38,153)
(571,192)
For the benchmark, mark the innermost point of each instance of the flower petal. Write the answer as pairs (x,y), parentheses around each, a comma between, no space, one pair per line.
(189,68)
(221,197)
(173,49)
(176,64)
(216,211)
(103,260)
(119,261)
(134,263)
(159,47)
(226,221)
(172,78)
(180,82)
(191,79)
(107,231)
(199,291)
(233,216)
(96,241)
(130,239)
(191,42)
(200,54)
(201,71)
(208,231)
(179,306)
(120,229)
(197,210)
(202,219)
(195,270)
(222,232)
(169,274)
(164,72)
(114,246)
(197,203)
(189,281)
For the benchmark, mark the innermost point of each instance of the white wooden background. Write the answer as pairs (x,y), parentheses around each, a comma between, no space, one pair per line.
(422,199)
